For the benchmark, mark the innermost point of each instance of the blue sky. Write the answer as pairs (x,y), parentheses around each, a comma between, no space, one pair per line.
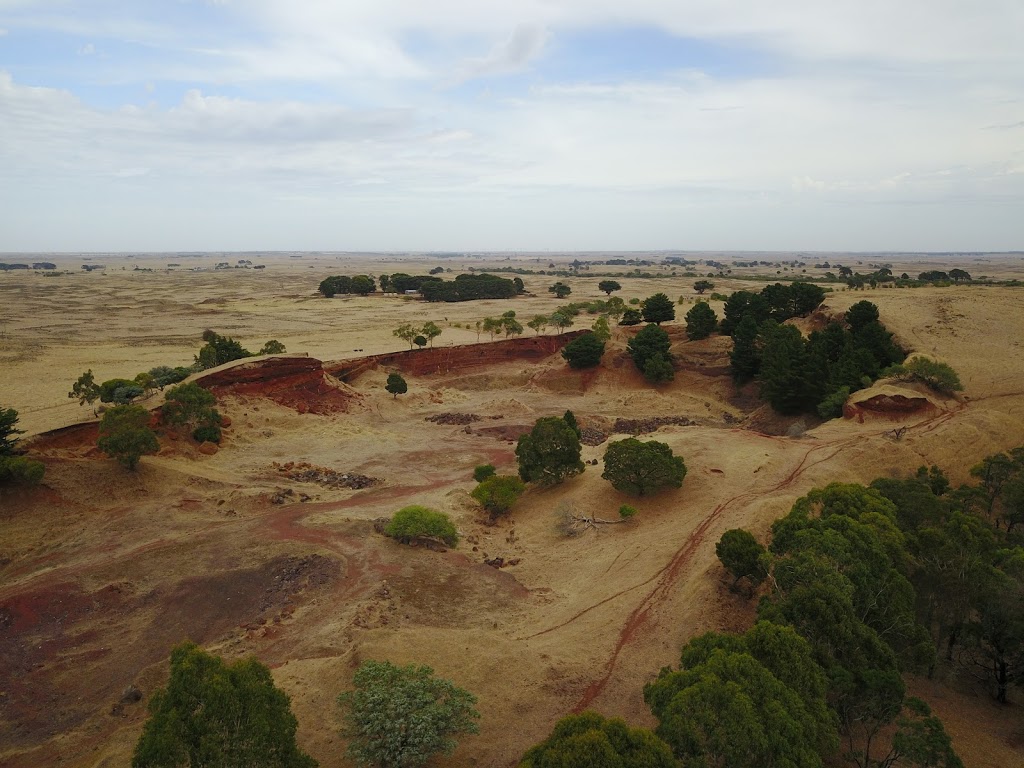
(534,125)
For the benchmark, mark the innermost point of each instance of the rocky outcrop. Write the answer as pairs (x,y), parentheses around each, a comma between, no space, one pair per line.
(889,402)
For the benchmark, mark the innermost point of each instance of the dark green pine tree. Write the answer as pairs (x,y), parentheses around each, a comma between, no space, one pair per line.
(745,359)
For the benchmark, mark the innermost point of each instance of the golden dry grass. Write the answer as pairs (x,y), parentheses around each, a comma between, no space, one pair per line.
(104,570)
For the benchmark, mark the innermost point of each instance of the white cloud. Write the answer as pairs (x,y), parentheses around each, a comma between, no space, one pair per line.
(512,54)
(87,50)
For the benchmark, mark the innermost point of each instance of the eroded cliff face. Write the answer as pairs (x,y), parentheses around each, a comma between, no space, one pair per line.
(886,401)
(422,362)
(292,381)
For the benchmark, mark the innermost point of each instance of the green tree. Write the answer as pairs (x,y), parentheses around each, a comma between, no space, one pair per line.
(396,384)
(417,522)
(190,405)
(164,375)
(860,314)
(492,325)
(219,350)
(511,326)
(631,317)
(549,453)
(539,323)
(498,493)
(8,431)
(362,285)
(584,351)
(482,471)
(400,717)
(125,434)
(570,418)
(85,389)
(658,309)
(561,320)
(608,286)
(784,364)
(560,289)
(406,332)
(14,468)
(745,358)
(431,330)
(217,714)
(639,468)
(730,710)
(420,341)
(118,391)
(591,741)
(272,347)
(601,330)
(743,556)
(959,275)
(650,344)
(703,285)
(920,740)
(701,321)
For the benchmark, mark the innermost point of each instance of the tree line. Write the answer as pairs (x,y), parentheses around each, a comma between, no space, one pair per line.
(464,287)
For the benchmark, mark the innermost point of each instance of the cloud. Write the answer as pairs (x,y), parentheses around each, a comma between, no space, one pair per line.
(87,50)
(513,54)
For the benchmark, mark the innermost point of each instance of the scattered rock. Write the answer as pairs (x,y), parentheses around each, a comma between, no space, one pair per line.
(225,422)
(592,436)
(329,478)
(208,449)
(454,419)
(650,424)
(500,562)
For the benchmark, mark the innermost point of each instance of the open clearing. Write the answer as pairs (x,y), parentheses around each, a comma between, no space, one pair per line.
(102,571)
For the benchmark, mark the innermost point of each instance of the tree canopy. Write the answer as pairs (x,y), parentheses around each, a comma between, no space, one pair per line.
(396,384)
(584,351)
(590,740)
(400,717)
(658,309)
(549,453)
(649,350)
(640,468)
(701,321)
(217,714)
(608,286)
(497,493)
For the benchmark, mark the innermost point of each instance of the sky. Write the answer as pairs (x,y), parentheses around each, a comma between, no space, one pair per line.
(382,125)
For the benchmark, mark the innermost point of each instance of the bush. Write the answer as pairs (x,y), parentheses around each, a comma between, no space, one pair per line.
(109,389)
(497,494)
(189,405)
(588,739)
(584,351)
(163,375)
(631,317)
(416,522)
(937,376)
(207,433)
(22,470)
(832,406)
(482,471)
(639,468)
(650,342)
(219,350)
(125,434)
(400,717)
(742,556)
(626,511)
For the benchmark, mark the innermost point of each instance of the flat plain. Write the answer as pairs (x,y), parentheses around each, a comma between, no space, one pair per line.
(103,570)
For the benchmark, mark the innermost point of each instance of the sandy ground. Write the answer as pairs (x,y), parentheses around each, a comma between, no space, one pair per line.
(102,571)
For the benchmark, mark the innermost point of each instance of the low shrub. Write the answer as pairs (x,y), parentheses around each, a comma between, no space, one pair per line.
(417,522)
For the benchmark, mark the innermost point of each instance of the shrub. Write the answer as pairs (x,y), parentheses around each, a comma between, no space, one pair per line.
(742,556)
(189,405)
(19,469)
(207,433)
(164,375)
(497,494)
(416,522)
(937,376)
(482,471)
(832,406)
(658,308)
(124,434)
(588,739)
(400,717)
(626,511)
(650,342)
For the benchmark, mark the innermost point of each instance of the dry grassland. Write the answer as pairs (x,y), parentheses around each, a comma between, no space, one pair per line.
(102,571)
